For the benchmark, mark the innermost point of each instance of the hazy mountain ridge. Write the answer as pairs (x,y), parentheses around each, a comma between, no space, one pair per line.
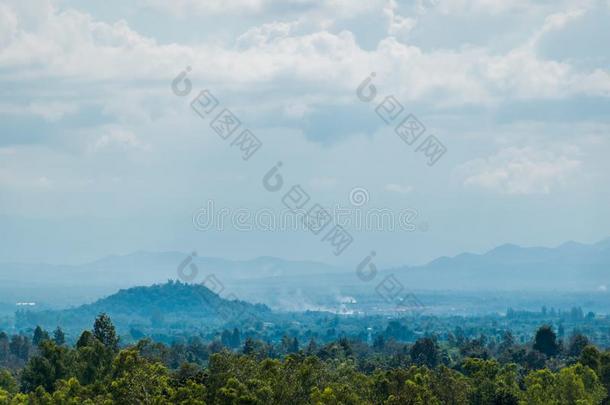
(571,266)
(78,283)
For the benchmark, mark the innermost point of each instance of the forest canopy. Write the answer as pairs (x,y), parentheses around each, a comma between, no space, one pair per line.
(236,369)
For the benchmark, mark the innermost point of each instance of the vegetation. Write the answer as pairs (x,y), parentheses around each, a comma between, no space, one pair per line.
(97,370)
(175,312)
(158,308)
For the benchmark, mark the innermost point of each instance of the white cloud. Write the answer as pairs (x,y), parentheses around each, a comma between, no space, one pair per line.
(559,20)
(492,7)
(186,7)
(288,58)
(296,110)
(556,22)
(266,33)
(8,24)
(121,138)
(520,171)
(336,8)
(398,25)
(281,68)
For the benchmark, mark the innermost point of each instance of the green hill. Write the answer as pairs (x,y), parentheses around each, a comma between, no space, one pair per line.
(159,308)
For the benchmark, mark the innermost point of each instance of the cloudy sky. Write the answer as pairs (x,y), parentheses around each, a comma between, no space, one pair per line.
(98,155)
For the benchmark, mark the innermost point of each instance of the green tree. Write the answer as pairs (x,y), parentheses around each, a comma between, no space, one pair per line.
(70,392)
(539,386)
(534,360)
(490,382)
(40,335)
(577,343)
(93,360)
(104,331)
(591,357)
(546,341)
(7,382)
(59,337)
(4,397)
(450,386)
(425,352)
(336,394)
(20,347)
(249,346)
(46,368)
(575,385)
(137,381)
(604,374)
(189,394)
(85,339)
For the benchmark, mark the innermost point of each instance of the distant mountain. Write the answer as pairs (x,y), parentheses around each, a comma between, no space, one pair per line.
(301,285)
(571,266)
(73,285)
(160,306)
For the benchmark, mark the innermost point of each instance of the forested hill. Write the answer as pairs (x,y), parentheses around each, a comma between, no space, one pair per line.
(171,297)
(173,304)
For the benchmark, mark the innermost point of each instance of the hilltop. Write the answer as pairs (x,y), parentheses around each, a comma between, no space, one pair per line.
(172,305)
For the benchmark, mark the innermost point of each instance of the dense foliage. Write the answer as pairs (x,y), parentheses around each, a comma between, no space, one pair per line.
(175,311)
(97,370)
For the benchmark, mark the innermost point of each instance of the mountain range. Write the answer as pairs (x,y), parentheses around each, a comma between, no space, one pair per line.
(570,267)
(294,285)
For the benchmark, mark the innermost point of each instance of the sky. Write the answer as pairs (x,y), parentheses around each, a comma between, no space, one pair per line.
(99,155)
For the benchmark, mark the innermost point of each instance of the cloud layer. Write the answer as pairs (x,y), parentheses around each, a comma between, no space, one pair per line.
(517,91)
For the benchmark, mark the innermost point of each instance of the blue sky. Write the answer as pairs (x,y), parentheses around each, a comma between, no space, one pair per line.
(98,156)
